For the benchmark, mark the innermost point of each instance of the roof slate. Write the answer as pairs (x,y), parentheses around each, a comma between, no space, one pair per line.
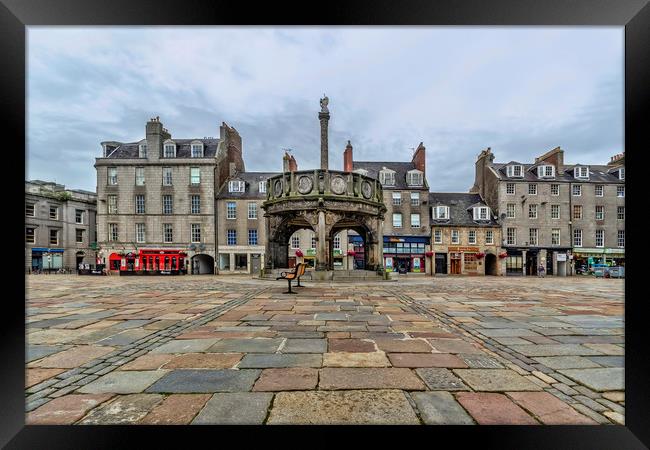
(597,174)
(251,182)
(460,211)
(183,149)
(400,168)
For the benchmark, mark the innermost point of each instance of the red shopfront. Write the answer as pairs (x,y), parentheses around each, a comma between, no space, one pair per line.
(150,262)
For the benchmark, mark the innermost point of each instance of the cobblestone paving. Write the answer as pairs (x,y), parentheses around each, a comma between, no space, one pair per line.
(222,350)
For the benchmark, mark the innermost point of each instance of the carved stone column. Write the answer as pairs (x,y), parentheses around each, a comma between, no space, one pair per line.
(324,119)
(321,250)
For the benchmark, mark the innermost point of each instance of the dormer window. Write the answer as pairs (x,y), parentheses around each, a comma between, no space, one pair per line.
(546,171)
(169,150)
(197,150)
(441,212)
(414,178)
(236,186)
(515,171)
(387,177)
(142,149)
(361,171)
(621,173)
(481,213)
(581,172)
(262,187)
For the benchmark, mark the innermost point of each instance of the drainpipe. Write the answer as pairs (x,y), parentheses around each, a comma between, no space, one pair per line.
(572,261)
(216,223)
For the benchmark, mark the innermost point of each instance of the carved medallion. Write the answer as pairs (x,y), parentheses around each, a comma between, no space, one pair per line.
(277,188)
(338,185)
(305,185)
(366,189)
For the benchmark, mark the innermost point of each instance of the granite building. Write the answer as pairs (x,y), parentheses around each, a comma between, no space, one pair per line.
(465,236)
(60,227)
(156,199)
(561,216)
(406,232)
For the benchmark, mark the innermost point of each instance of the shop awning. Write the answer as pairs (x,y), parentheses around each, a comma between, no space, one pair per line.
(620,252)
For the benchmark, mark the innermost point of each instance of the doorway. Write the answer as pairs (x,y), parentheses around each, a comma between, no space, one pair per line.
(255,263)
(441,263)
(491,264)
(455,263)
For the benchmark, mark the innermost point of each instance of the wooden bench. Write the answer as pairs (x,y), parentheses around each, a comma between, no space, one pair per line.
(295,275)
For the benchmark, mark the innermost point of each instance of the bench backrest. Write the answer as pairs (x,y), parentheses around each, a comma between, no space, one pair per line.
(301,269)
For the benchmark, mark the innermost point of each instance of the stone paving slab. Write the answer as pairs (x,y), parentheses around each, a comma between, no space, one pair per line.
(35,376)
(415,360)
(604,379)
(289,379)
(439,379)
(185,346)
(355,359)
(123,382)
(440,408)
(65,410)
(555,350)
(255,345)
(206,380)
(495,380)
(176,409)
(493,409)
(304,346)
(204,361)
(35,352)
(608,361)
(369,378)
(566,362)
(549,410)
(454,346)
(241,408)
(370,407)
(74,357)
(126,409)
(264,361)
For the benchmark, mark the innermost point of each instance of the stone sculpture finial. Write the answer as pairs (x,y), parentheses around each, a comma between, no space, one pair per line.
(323,104)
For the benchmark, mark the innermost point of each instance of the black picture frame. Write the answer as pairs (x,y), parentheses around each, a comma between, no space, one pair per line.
(15,15)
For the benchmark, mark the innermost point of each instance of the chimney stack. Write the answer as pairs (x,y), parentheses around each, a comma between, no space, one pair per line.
(155,134)
(286,162)
(347,158)
(293,165)
(419,158)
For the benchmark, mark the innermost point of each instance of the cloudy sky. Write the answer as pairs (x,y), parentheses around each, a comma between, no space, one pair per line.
(519,90)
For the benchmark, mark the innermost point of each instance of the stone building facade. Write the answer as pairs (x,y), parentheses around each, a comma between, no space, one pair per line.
(407,232)
(465,236)
(560,216)
(158,196)
(60,227)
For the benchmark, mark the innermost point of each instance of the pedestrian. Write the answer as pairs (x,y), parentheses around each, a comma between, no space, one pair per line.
(540,271)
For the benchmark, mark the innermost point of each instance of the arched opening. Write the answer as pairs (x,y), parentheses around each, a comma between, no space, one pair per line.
(287,239)
(491,264)
(79,258)
(202,264)
(348,251)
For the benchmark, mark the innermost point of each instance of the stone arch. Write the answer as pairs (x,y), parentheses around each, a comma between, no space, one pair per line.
(202,264)
(344,223)
(491,266)
(280,233)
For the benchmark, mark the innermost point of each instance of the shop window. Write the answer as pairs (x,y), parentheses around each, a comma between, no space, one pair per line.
(471,264)
(224,261)
(241,261)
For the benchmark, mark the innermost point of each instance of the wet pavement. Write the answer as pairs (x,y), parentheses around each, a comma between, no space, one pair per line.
(223,350)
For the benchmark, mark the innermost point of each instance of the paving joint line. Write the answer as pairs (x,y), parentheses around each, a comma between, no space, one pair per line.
(453,324)
(120,358)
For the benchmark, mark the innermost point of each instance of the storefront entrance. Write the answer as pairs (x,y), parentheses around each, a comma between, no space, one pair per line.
(441,263)
(531,263)
(514,265)
(491,267)
(456,265)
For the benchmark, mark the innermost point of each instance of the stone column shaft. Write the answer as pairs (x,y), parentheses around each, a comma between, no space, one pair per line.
(321,251)
(324,119)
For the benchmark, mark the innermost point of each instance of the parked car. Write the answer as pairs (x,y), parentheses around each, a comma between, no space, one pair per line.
(617,272)
(601,272)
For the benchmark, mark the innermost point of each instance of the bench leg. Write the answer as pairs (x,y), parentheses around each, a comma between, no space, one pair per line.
(289,291)
(299,285)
